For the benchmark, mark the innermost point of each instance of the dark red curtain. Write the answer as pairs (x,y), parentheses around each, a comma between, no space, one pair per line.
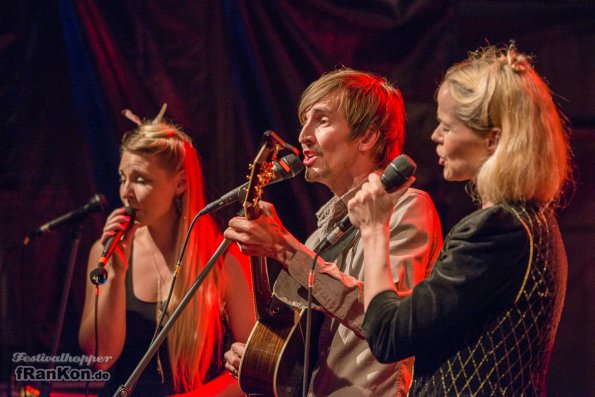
(229,70)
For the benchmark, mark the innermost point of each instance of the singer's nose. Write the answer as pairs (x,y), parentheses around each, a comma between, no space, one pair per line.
(126,192)
(306,137)
(437,135)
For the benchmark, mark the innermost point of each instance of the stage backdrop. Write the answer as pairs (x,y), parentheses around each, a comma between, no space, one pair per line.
(229,70)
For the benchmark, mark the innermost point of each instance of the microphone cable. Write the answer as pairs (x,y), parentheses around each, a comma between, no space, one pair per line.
(308,330)
(100,279)
(96,327)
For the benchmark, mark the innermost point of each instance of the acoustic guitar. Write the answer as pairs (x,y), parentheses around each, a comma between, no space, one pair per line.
(272,364)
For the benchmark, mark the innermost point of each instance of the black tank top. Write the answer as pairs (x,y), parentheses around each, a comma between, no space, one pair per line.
(140,327)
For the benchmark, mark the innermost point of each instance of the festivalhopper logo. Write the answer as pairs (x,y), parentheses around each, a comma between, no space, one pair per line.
(64,368)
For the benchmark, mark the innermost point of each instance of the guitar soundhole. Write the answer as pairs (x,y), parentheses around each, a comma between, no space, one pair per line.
(281,311)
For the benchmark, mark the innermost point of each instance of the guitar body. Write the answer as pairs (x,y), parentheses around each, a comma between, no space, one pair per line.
(273,362)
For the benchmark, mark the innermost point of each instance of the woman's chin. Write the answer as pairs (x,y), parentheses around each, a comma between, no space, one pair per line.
(450,176)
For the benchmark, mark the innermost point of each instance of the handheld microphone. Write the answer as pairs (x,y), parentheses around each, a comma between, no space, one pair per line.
(96,203)
(99,275)
(396,174)
(285,168)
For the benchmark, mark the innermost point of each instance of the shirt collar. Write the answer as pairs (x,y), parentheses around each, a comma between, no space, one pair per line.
(335,209)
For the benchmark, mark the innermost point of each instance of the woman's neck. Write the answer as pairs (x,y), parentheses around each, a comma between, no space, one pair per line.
(487,204)
(165,235)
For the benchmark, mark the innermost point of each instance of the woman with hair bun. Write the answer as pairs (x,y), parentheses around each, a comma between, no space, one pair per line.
(484,322)
(161,180)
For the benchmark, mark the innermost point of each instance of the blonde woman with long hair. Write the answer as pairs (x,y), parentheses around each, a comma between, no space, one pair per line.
(161,179)
(484,321)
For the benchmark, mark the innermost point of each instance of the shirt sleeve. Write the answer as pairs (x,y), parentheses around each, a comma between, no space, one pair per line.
(479,271)
(415,242)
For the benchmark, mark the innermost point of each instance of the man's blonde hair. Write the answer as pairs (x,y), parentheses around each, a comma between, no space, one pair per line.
(368,101)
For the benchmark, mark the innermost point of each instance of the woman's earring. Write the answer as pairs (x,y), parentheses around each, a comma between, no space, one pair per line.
(178,203)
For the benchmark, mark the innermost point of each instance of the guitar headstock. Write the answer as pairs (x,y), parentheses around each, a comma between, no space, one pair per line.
(261,171)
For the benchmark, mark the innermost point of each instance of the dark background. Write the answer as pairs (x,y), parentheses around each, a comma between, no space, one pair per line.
(229,70)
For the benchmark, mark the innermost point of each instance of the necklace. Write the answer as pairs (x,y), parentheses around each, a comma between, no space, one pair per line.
(158,313)
(159,279)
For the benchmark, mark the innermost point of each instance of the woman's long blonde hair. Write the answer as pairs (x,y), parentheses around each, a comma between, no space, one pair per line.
(195,339)
(498,88)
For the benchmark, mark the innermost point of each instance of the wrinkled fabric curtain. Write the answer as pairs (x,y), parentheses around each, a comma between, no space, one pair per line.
(230,70)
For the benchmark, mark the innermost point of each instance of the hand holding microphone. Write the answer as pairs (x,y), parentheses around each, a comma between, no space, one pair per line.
(119,224)
(396,175)
(373,205)
(371,208)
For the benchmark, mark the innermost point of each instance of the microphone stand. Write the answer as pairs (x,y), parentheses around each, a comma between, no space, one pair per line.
(47,386)
(126,389)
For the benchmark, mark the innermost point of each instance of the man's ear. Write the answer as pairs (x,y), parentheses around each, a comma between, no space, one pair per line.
(181,182)
(493,138)
(369,139)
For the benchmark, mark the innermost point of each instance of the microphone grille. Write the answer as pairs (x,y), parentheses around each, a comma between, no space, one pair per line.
(397,172)
(97,203)
(131,212)
(288,167)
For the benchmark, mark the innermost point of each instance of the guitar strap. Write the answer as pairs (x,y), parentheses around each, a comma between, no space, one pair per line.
(331,253)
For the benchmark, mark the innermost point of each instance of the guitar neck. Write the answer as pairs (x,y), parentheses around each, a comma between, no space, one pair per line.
(261,172)
(263,295)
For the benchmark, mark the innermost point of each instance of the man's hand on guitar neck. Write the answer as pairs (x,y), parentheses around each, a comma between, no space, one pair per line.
(263,236)
(233,357)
